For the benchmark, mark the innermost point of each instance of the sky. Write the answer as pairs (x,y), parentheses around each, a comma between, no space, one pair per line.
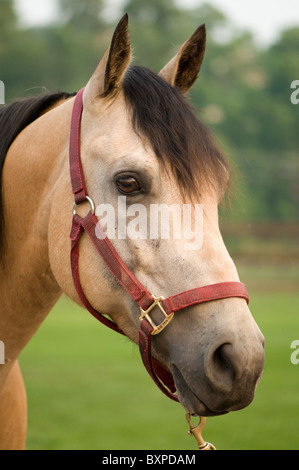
(265,18)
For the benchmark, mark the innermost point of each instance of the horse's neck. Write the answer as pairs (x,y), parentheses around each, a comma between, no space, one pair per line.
(28,288)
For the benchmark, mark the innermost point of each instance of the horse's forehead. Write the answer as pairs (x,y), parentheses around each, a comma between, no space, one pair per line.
(110,116)
(110,134)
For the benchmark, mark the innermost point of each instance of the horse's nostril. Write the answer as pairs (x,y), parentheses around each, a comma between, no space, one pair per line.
(222,369)
(222,359)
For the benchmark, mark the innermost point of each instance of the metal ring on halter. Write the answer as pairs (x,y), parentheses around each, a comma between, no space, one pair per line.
(91,203)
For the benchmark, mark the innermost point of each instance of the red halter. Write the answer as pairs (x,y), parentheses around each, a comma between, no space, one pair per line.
(146,301)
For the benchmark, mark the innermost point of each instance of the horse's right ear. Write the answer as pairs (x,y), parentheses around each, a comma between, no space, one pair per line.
(107,78)
(182,71)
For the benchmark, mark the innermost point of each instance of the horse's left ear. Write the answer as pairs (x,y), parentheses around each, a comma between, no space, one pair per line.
(108,76)
(182,71)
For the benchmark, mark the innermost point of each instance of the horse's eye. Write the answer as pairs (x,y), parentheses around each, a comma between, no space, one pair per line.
(128,185)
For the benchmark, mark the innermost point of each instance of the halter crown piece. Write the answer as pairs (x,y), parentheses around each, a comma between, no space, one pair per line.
(146,301)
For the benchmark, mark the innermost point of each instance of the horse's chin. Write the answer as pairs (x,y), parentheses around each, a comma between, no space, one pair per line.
(189,400)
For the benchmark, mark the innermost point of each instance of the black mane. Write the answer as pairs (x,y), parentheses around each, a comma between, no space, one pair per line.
(162,115)
(14,117)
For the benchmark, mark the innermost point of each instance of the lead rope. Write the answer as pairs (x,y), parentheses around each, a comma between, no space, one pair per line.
(196,431)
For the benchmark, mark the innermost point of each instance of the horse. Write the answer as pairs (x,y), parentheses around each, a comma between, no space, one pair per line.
(139,138)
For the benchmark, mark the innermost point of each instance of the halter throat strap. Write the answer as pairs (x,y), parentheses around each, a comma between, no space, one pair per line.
(146,301)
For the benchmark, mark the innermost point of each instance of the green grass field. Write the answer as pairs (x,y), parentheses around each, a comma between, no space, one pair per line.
(87,388)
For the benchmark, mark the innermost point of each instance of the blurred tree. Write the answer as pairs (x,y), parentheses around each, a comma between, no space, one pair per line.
(152,26)
(243,92)
(282,65)
(157,13)
(8,17)
(86,15)
(12,39)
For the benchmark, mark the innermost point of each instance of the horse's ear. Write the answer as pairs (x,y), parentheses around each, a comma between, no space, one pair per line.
(182,71)
(107,78)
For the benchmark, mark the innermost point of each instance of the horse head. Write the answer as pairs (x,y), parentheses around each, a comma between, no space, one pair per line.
(143,149)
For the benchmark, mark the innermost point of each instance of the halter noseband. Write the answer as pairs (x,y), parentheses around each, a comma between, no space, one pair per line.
(146,301)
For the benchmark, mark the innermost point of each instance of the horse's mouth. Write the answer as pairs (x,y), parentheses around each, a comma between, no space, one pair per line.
(189,399)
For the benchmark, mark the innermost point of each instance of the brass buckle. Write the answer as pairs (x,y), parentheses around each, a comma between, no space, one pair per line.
(145,314)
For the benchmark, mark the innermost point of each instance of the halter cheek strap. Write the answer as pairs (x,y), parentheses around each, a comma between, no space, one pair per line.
(146,301)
